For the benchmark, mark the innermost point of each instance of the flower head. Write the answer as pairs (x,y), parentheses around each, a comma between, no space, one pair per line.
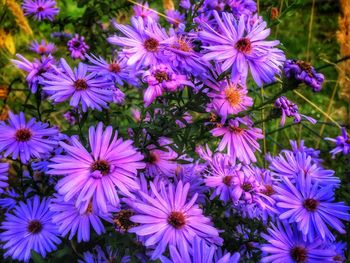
(77,47)
(240,45)
(342,143)
(242,7)
(240,139)
(286,244)
(42,48)
(168,218)
(29,227)
(40,9)
(112,163)
(80,86)
(25,140)
(304,72)
(144,11)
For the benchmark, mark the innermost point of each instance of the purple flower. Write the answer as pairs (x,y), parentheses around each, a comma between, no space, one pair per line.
(342,143)
(200,252)
(25,140)
(291,165)
(70,221)
(174,17)
(242,7)
(161,160)
(29,227)
(240,45)
(9,199)
(144,11)
(4,173)
(168,218)
(240,139)
(79,86)
(100,256)
(143,42)
(304,72)
(300,147)
(285,244)
(40,9)
(115,70)
(160,78)
(35,69)
(230,99)
(290,109)
(221,176)
(186,4)
(112,163)
(311,207)
(43,48)
(77,47)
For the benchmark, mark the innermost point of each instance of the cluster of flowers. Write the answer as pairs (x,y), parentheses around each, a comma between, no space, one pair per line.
(155,192)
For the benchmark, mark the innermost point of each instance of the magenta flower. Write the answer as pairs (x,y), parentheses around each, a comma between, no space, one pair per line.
(342,143)
(77,47)
(230,99)
(43,48)
(144,11)
(240,45)
(143,42)
(40,9)
(112,163)
(240,139)
(168,218)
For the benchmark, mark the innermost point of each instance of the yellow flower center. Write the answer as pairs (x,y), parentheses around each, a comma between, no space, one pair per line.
(233,96)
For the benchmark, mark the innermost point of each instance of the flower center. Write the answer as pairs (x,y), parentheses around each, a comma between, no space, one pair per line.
(182,45)
(161,76)
(299,254)
(268,190)
(338,258)
(122,220)
(310,204)
(34,226)
(244,45)
(154,158)
(247,187)
(305,66)
(227,180)
(40,9)
(80,84)
(233,96)
(23,135)
(76,44)
(42,49)
(176,219)
(151,45)
(236,130)
(101,166)
(89,209)
(114,67)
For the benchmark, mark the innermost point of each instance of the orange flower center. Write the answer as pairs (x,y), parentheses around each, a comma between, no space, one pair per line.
(233,96)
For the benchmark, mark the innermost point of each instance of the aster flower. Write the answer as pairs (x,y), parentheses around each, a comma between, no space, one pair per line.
(4,173)
(70,221)
(78,85)
(285,244)
(290,109)
(9,199)
(143,42)
(161,160)
(35,69)
(291,165)
(42,48)
(200,252)
(220,176)
(144,11)
(300,147)
(77,47)
(29,227)
(40,9)
(240,139)
(304,72)
(100,256)
(160,78)
(174,17)
(167,218)
(311,207)
(242,7)
(25,140)
(342,143)
(112,163)
(115,70)
(230,99)
(241,46)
